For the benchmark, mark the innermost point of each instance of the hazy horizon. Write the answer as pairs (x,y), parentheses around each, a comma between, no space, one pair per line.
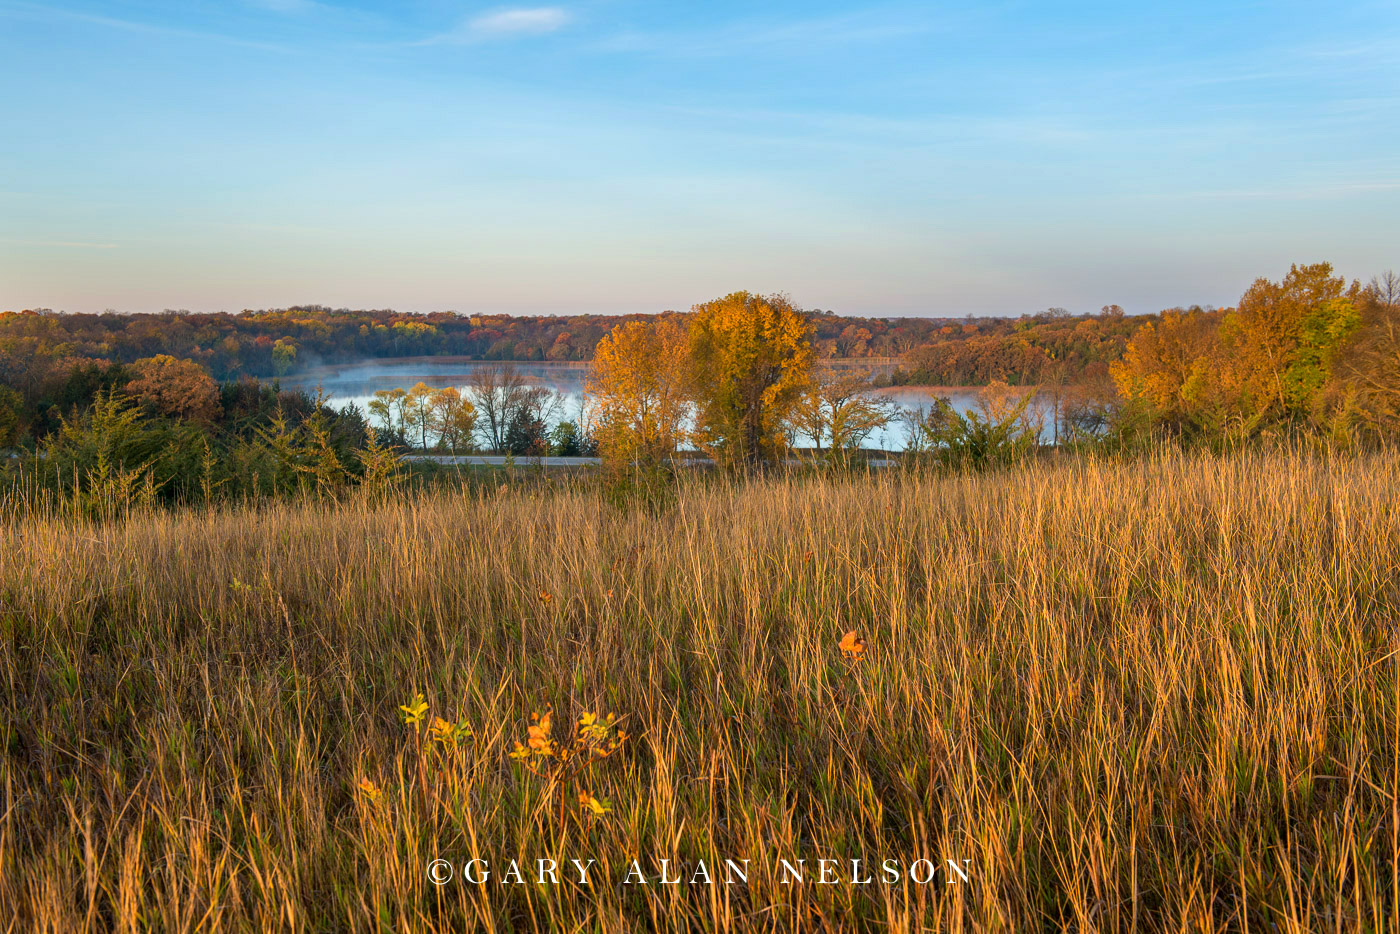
(612,157)
(952,316)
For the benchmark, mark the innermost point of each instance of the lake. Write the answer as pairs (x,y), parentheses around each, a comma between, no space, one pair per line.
(356,384)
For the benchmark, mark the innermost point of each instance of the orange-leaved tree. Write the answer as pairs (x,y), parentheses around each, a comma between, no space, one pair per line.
(177,388)
(637,388)
(750,360)
(1171,368)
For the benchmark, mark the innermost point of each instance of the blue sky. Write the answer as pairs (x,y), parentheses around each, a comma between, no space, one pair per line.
(617,156)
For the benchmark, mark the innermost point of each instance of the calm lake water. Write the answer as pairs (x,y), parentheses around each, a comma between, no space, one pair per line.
(357,383)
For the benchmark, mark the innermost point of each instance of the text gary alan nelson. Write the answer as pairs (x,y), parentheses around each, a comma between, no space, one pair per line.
(728,872)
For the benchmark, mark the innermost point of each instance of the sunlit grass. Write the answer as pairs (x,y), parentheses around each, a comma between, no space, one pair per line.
(1153,695)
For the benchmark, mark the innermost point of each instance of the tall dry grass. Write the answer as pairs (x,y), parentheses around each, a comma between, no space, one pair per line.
(1154,695)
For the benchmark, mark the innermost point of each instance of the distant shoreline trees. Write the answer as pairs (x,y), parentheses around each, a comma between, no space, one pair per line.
(282,343)
(736,378)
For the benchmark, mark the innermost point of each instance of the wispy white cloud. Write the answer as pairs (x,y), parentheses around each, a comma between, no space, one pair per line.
(506,23)
(518,21)
(802,35)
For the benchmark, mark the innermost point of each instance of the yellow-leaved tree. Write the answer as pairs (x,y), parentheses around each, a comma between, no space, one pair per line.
(453,419)
(839,410)
(418,413)
(637,390)
(750,361)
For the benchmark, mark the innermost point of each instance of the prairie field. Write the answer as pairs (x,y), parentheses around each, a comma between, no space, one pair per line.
(1155,694)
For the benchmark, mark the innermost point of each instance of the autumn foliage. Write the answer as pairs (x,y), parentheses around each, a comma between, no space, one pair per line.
(736,369)
(175,387)
(1308,352)
(638,385)
(750,360)
(1368,368)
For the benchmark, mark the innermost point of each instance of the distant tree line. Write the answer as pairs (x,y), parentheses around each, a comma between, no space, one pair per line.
(38,346)
(734,379)
(1053,346)
(53,361)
